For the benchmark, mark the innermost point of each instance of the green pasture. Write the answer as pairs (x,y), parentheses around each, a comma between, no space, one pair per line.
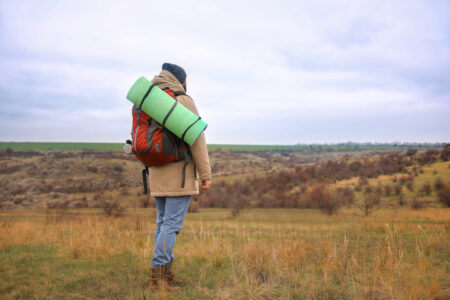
(41,146)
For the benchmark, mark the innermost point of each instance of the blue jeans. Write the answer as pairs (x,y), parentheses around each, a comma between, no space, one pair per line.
(171,213)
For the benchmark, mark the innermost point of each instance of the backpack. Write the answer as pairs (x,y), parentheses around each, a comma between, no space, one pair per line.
(156,146)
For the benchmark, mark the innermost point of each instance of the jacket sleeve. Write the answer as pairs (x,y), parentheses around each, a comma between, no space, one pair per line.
(199,149)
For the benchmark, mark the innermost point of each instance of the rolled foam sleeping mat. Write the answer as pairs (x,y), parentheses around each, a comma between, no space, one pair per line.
(160,106)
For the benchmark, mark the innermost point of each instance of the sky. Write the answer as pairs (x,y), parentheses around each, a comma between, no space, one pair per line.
(260,72)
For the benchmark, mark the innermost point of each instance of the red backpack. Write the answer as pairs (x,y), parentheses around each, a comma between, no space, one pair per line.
(154,145)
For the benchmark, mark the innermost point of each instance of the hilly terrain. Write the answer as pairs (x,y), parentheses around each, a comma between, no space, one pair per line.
(276,224)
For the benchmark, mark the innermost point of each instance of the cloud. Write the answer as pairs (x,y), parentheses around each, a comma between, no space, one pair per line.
(259,72)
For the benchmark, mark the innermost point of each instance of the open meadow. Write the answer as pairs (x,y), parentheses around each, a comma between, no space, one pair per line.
(261,254)
(276,224)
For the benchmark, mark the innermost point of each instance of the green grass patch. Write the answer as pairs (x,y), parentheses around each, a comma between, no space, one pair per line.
(38,272)
(38,146)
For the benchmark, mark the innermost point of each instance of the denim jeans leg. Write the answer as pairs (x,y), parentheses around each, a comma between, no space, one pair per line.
(160,205)
(175,210)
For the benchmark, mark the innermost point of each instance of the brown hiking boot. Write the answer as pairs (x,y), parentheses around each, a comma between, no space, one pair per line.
(156,278)
(169,276)
(159,279)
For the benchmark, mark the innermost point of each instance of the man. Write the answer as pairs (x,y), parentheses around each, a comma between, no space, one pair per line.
(172,200)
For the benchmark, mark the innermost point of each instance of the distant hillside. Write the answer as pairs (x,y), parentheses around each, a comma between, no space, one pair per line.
(263,179)
(39,146)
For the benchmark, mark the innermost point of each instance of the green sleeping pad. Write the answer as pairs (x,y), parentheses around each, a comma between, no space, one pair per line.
(165,110)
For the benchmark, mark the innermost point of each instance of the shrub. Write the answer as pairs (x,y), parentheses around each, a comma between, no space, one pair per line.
(194,207)
(236,204)
(235,211)
(425,189)
(438,184)
(326,200)
(444,195)
(406,179)
(345,195)
(118,168)
(331,203)
(371,200)
(445,153)
(144,201)
(379,189)
(387,190)
(410,152)
(362,181)
(397,189)
(400,199)
(428,157)
(92,169)
(111,204)
(416,203)
(410,186)
(56,211)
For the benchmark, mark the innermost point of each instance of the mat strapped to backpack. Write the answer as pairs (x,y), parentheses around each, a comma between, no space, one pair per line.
(164,109)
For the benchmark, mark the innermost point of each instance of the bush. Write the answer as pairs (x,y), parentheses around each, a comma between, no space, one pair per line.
(371,200)
(387,190)
(404,180)
(438,184)
(345,195)
(444,195)
(428,157)
(416,203)
(144,201)
(397,189)
(362,181)
(411,152)
(235,211)
(118,168)
(111,204)
(326,200)
(410,186)
(445,153)
(194,207)
(425,189)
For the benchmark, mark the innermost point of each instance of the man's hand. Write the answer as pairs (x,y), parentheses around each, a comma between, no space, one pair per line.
(206,184)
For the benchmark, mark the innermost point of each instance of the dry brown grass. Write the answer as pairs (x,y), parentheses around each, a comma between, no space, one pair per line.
(254,260)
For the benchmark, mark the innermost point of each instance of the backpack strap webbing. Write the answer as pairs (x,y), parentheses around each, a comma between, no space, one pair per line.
(168,114)
(173,106)
(146,94)
(189,127)
(144,179)
(187,159)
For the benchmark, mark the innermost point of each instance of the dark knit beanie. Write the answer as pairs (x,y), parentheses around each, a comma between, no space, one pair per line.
(177,71)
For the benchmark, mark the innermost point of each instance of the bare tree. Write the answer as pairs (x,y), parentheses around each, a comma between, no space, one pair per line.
(371,200)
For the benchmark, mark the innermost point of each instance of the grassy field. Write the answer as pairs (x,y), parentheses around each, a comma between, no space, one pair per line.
(262,254)
(39,146)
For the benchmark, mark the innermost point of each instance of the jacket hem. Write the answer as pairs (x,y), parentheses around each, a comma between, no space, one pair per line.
(165,194)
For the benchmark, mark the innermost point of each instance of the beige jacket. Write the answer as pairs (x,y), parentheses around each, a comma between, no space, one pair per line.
(166,180)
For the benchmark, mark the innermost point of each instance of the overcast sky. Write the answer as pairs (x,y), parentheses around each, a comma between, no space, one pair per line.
(260,72)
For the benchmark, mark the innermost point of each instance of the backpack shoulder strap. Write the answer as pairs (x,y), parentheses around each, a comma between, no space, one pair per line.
(175,94)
